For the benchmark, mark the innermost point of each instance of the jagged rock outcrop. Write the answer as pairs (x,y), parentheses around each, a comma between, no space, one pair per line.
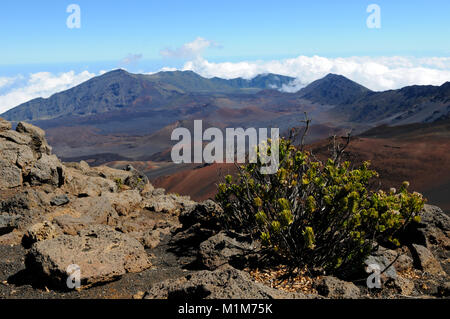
(38,188)
(96,217)
(26,158)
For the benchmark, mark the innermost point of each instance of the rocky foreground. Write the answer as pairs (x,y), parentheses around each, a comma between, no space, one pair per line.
(131,240)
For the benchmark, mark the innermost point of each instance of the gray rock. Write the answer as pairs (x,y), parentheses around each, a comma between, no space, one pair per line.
(16,155)
(225,248)
(37,135)
(60,200)
(204,213)
(333,287)
(7,223)
(16,137)
(71,225)
(25,158)
(426,261)
(434,228)
(95,210)
(79,184)
(10,175)
(167,203)
(223,283)
(102,254)
(47,170)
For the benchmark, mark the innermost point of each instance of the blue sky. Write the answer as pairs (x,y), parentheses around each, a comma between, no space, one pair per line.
(35,32)
(35,39)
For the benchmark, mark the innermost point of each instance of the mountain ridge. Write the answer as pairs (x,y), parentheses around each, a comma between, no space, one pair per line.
(118,89)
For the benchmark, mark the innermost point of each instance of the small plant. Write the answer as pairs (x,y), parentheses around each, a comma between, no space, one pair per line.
(119,183)
(316,214)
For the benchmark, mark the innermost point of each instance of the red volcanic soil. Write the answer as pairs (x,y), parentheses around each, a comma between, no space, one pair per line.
(199,183)
(423,161)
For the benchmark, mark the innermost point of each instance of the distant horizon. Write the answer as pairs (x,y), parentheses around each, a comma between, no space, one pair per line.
(382,44)
(267,73)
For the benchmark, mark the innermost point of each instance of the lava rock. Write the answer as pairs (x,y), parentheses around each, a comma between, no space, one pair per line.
(101,253)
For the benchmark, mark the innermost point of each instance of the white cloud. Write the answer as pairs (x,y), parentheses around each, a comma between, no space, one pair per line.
(190,50)
(42,84)
(5,81)
(376,73)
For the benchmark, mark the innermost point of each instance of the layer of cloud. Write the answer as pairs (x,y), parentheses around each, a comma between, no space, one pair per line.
(42,84)
(189,50)
(376,73)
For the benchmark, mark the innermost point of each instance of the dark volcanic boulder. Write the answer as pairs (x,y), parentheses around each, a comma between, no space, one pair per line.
(199,222)
(226,248)
(204,213)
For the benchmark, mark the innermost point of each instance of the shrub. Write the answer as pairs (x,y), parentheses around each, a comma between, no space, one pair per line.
(314,214)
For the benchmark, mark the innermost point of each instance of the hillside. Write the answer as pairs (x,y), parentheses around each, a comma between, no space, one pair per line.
(333,89)
(120,115)
(412,104)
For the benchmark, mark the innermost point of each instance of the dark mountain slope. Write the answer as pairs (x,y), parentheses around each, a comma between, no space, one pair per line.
(119,89)
(109,92)
(192,82)
(411,104)
(333,89)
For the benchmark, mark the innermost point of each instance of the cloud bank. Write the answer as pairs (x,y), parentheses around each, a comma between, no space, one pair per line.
(20,89)
(376,73)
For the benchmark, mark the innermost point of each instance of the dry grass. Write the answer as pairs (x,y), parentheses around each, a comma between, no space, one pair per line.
(280,278)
